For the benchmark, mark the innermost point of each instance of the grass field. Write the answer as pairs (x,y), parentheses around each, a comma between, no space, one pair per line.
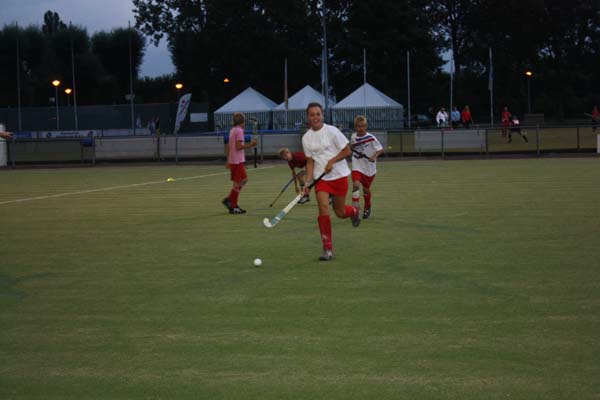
(473,279)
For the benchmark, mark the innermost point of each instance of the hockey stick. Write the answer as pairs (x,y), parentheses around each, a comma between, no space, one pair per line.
(254,127)
(269,223)
(361,155)
(299,174)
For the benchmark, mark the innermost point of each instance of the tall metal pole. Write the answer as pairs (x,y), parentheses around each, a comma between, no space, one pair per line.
(452,67)
(19,117)
(408,85)
(73,79)
(325,61)
(131,80)
(364,82)
(529,95)
(56,103)
(491,88)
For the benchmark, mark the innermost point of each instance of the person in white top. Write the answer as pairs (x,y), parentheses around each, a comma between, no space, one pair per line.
(326,149)
(442,118)
(366,149)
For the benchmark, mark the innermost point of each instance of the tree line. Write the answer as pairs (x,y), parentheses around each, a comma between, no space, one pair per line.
(248,41)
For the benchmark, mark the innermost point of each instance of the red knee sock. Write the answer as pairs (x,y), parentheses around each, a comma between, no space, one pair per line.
(349,211)
(234,195)
(367,200)
(325,229)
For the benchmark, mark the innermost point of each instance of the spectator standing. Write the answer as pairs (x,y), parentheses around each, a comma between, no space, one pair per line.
(455,117)
(505,118)
(442,118)
(595,118)
(466,117)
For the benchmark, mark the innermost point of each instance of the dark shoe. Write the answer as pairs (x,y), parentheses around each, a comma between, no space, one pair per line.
(356,217)
(304,199)
(327,255)
(367,213)
(237,210)
(227,203)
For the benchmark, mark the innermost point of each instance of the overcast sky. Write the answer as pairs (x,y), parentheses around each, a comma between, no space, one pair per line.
(95,15)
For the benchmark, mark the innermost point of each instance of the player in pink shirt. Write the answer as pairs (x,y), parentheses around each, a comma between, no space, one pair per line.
(236,157)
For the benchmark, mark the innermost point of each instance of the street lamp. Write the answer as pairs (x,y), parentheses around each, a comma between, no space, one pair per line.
(56,84)
(178,86)
(68,92)
(529,74)
(226,80)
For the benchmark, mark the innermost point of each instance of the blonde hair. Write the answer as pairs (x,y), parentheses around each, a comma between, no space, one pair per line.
(360,118)
(238,118)
(283,150)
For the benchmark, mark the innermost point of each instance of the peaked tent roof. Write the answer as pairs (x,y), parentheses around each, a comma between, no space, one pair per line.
(302,98)
(248,101)
(373,97)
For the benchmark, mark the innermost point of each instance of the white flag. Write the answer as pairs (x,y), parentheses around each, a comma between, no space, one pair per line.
(184,104)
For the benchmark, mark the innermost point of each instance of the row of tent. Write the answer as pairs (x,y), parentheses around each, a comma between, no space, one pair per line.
(381,111)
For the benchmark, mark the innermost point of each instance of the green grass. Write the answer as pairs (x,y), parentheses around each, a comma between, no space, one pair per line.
(472,280)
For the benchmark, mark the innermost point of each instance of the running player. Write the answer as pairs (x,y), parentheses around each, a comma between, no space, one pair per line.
(326,149)
(236,157)
(366,149)
(296,160)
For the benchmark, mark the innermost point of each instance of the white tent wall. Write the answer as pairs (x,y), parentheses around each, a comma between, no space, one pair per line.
(250,102)
(224,121)
(296,113)
(377,117)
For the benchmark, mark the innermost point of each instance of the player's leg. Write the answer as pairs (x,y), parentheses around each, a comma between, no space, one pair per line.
(366,184)
(301,179)
(339,190)
(356,188)
(240,178)
(324,220)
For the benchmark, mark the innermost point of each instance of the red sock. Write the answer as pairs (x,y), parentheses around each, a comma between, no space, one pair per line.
(367,200)
(349,211)
(325,229)
(234,195)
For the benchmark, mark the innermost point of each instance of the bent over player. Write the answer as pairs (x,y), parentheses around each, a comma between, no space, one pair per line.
(296,160)
(326,149)
(236,157)
(365,151)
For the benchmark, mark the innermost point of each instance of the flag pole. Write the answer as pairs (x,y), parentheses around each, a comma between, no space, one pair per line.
(408,85)
(365,82)
(19,117)
(491,88)
(285,93)
(73,78)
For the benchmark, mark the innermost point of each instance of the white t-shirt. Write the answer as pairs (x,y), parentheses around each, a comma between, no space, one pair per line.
(322,146)
(368,145)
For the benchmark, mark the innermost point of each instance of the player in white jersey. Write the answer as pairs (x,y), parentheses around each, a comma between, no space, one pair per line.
(365,151)
(326,149)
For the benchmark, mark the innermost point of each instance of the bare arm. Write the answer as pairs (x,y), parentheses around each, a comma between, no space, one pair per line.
(344,153)
(5,135)
(310,166)
(240,145)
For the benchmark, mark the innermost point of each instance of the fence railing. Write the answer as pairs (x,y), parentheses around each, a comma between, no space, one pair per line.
(490,140)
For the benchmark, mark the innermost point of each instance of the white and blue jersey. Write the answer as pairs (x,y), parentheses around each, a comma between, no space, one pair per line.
(367,145)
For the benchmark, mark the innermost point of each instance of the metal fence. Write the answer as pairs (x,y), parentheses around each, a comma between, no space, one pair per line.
(494,140)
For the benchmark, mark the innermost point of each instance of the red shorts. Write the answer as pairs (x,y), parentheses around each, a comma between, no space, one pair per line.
(365,180)
(238,172)
(336,187)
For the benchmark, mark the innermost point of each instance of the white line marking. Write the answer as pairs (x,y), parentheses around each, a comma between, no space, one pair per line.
(52,196)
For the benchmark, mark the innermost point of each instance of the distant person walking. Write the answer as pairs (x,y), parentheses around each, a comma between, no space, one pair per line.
(466,117)
(595,117)
(505,118)
(236,158)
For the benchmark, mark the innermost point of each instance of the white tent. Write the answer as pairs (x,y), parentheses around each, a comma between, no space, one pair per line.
(251,103)
(382,112)
(296,112)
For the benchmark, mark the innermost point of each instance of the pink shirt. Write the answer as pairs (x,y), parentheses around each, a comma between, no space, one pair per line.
(236,134)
